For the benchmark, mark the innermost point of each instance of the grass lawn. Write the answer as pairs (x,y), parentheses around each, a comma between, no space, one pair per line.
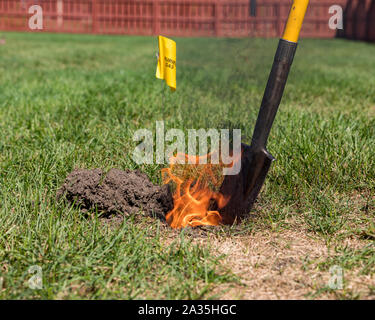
(74,101)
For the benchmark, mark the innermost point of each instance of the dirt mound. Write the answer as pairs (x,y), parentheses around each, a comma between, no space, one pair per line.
(117,191)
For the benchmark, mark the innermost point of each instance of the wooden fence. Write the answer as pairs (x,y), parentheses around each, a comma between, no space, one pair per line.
(360,20)
(221,18)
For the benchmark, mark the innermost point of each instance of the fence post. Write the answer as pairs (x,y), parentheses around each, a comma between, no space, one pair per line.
(218,9)
(253,8)
(279,28)
(94,16)
(371,22)
(156,17)
(60,13)
(361,14)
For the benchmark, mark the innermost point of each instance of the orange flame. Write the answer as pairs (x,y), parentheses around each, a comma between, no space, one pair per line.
(195,192)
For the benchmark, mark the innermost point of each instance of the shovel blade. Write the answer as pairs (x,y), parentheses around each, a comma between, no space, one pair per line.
(243,188)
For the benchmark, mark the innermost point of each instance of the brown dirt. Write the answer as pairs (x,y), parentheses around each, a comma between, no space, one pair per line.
(126,192)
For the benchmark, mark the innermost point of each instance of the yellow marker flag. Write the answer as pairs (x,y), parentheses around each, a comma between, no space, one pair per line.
(166,69)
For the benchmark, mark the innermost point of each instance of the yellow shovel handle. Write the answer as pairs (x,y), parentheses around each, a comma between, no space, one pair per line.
(294,24)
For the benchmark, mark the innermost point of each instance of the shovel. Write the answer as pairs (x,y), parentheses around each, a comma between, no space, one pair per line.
(243,188)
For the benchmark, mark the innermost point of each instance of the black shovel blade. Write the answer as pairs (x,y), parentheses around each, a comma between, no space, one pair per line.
(243,188)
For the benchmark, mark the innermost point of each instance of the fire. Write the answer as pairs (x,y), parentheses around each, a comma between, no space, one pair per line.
(196,191)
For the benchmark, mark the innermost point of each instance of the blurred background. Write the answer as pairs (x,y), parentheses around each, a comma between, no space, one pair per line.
(220,18)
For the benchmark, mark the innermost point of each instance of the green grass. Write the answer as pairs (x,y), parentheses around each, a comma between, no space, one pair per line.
(71,101)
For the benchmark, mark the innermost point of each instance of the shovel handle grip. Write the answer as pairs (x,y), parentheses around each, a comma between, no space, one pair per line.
(279,74)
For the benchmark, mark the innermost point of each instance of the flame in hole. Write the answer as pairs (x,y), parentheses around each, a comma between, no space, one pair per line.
(196,191)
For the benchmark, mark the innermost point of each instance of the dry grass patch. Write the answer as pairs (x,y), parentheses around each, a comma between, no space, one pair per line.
(285,265)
